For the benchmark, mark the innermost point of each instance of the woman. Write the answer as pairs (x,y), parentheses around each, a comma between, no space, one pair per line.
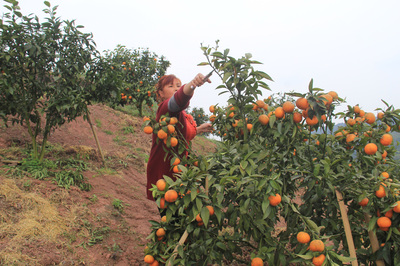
(174,100)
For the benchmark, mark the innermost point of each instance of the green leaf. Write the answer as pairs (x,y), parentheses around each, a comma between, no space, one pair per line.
(47,3)
(341,258)
(203,64)
(205,215)
(306,256)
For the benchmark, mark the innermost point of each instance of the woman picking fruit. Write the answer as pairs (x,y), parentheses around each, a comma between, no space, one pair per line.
(174,99)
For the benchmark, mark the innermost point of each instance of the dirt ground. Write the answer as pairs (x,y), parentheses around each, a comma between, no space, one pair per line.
(119,235)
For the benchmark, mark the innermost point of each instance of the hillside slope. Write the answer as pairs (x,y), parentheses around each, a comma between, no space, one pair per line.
(43,224)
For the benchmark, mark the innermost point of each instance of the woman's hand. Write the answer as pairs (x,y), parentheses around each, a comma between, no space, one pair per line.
(204,128)
(198,80)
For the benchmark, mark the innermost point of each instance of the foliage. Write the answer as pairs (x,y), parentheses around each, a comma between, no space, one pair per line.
(266,153)
(199,116)
(43,69)
(137,72)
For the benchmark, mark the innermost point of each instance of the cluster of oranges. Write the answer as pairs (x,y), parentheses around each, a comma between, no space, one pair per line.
(165,129)
(313,114)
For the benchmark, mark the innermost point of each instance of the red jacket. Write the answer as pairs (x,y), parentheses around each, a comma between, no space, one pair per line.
(157,167)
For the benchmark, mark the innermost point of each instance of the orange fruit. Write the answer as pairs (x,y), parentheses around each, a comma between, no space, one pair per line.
(384,222)
(297,117)
(279,113)
(148,129)
(380,115)
(212,118)
(232,114)
(303,237)
(302,103)
(356,109)
(312,121)
(210,209)
(173,120)
(257,262)
(389,214)
(386,139)
(164,219)
(317,245)
(198,218)
(363,202)
(162,203)
(385,174)
(160,232)
(212,108)
(249,127)
(388,128)
(148,259)
(155,263)
(384,154)
(323,118)
(350,137)
(171,195)
(264,119)
(176,169)
(176,161)
(369,118)
(161,134)
(274,200)
(161,184)
(235,124)
(351,122)
(288,107)
(260,103)
(334,95)
(319,260)
(327,99)
(397,207)
(362,113)
(171,129)
(174,141)
(380,193)
(370,148)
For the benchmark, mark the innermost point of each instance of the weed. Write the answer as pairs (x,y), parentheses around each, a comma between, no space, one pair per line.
(69,178)
(98,123)
(108,132)
(118,204)
(128,130)
(94,198)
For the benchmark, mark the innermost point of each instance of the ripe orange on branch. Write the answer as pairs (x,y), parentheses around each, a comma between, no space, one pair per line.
(279,113)
(148,129)
(397,207)
(319,260)
(264,119)
(384,222)
(149,259)
(303,237)
(302,103)
(274,200)
(257,262)
(370,148)
(386,139)
(171,195)
(161,184)
(317,245)
(288,107)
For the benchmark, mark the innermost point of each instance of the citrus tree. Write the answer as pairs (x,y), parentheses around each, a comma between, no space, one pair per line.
(286,184)
(43,71)
(138,71)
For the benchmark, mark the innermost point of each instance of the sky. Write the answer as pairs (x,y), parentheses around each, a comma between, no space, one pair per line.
(351,47)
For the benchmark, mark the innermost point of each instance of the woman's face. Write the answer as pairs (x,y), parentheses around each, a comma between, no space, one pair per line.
(169,90)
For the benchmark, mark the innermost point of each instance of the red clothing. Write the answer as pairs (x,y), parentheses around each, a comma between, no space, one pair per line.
(157,166)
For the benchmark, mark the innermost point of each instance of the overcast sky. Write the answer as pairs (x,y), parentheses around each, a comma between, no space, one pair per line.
(351,47)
